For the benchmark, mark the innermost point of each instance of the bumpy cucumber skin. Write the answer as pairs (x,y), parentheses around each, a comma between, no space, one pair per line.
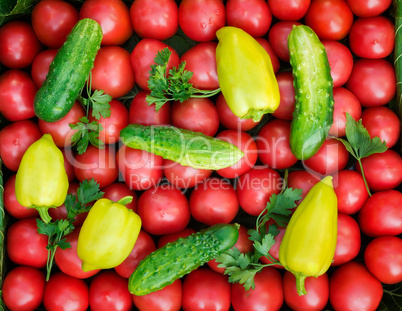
(68,71)
(178,258)
(314,107)
(183,146)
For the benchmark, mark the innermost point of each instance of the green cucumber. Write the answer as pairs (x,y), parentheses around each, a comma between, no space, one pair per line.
(176,259)
(68,71)
(313,114)
(183,146)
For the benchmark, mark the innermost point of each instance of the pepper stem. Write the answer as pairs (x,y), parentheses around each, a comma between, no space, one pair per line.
(44,213)
(300,278)
(125,200)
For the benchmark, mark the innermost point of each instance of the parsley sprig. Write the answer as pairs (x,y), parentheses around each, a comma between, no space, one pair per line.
(171,85)
(86,133)
(242,267)
(87,192)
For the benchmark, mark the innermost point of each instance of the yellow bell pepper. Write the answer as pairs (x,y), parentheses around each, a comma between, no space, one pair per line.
(245,73)
(308,246)
(41,181)
(107,235)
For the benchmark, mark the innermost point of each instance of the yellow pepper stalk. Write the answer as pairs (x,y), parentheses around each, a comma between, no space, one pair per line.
(107,235)
(308,246)
(41,181)
(245,73)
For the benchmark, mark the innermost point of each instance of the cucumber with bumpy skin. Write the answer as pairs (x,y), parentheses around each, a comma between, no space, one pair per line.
(313,114)
(178,258)
(68,71)
(183,146)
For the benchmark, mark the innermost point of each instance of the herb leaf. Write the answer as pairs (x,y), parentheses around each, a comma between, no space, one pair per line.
(100,104)
(87,133)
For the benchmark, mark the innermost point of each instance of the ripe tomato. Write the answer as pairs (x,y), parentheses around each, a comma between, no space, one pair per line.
(364,8)
(289,10)
(164,239)
(267,47)
(184,176)
(302,179)
(278,38)
(119,190)
(40,66)
(274,250)
(287,96)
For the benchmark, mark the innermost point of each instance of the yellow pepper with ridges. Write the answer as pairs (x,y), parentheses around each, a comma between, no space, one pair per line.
(41,181)
(308,246)
(245,74)
(108,234)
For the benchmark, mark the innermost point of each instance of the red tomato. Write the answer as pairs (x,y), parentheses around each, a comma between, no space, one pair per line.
(163,209)
(109,291)
(114,18)
(52,21)
(383,258)
(196,114)
(289,10)
(274,250)
(350,191)
(317,292)
(278,38)
(142,57)
(65,293)
(99,164)
(340,60)
(229,120)
(368,8)
(23,288)
(68,163)
(372,37)
(330,19)
(273,145)
(372,81)
(140,112)
(382,214)
(141,170)
(119,190)
(344,102)
(142,247)
(164,239)
(18,44)
(255,187)
(287,96)
(329,159)
(15,138)
(253,16)
(155,19)
(201,19)
(302,179)
(166,299)
(382,122)
(17,92)
(25,246)
(274,59)
(214,201)
(184,176)
(201,61)
(267,294)
(353,287)
(247,145)
(40,65)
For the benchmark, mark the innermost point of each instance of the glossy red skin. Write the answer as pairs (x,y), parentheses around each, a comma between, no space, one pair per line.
(383,258)
(273,145)
(143,247)
(255,187)
(317,292)
(23,288)
(184,177)
(382,214)
(17,92)
(353,287)
(52,21)
(114,18)
(201,61)
(155,19)
(302,179)
(109,291)
(68,163)
(382,122)
(163,209)
(168,298)
(340,60)
(267,294)
(40,66)
(214,201)
(274,251)
(246,143)
(278,38)
(18,44)
(289,10)
(119,190)
(196,114)
(25,246)
(167,238)
(372,81)
(287,96)
(65,293)
(15,138)
(344,102)
(368,8)
(253,16)
(205,289)
(329,19)
(200,19)
(274,59)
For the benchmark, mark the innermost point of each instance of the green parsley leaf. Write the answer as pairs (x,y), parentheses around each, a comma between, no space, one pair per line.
(100,104)
(87,133)
(265,245)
